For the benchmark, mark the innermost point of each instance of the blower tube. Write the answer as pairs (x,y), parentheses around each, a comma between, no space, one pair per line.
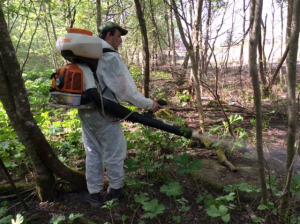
(119,111)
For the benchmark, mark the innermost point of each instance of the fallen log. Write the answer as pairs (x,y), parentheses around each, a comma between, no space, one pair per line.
(220,151)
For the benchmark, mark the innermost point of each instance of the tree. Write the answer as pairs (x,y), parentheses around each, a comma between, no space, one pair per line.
(192,45)
(146,54)
(255,15)
(15,101)
(292,110)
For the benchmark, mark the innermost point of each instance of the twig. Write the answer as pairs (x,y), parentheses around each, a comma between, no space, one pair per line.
(13,185)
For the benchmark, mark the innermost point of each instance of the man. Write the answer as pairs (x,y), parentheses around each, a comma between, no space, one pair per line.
(104,141)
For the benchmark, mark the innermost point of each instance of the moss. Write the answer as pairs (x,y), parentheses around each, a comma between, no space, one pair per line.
(7,189)
(82,220)
(208,144)
(165,114)
(221,155)
(215,104)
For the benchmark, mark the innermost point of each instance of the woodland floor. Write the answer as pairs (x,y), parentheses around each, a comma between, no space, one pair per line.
(275,114)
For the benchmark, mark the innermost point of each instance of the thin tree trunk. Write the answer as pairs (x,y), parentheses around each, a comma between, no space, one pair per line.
(261,63)
(279,66)
(230,37)
(256,11)
(172,40)
(242,45)
(273,36)
(99,19)
(288,28)
(146,54)
(281,38)
(292,112)
(168,31)
(51,22)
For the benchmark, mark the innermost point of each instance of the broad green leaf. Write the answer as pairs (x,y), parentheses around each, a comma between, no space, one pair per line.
(2,211)
(200,198)
(195,165)
(6,220)
(182,170)
(173,189)
(262,207)
(129,181)
(215,129)
(177,219)
(223,210)
(153,206)
(19,219)
(182,160)
(229,197)
(247,188)
(142,198)
(185,209)
(149,215)
(57,220)
(213,212)
(131,166)
(256,219)
(226,218)
(72,217)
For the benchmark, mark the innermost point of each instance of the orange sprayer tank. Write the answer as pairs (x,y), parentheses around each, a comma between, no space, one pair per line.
(68,78)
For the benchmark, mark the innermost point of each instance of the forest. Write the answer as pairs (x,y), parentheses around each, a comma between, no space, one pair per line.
(229,73)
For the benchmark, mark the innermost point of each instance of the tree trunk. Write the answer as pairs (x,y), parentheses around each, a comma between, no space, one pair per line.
(15,101)
(146,54)
(98,6)
(256,11)
(242,45)
(281,39)
(292,112)
(168,32)
(261,60)
(172,40)
(288,28)
(193,49)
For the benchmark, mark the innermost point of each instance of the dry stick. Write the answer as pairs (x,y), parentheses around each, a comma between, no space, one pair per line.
(217,97)
(219,151)
(13,185)
(279,66)
(284,191)
(220,105)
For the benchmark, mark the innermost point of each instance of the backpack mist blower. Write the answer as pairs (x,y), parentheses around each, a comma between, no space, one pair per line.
(80,46)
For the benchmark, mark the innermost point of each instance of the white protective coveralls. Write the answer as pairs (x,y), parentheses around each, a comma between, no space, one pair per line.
(104,142)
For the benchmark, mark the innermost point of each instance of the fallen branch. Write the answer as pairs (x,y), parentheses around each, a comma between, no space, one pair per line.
(219,151)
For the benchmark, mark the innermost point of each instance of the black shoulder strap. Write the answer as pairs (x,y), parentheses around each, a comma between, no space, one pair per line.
(105,50)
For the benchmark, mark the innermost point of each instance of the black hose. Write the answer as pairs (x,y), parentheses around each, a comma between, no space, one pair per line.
(117,110)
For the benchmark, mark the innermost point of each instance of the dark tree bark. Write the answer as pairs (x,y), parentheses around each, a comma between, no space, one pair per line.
(15,101)
(98,6)
(146,54)
(292,112)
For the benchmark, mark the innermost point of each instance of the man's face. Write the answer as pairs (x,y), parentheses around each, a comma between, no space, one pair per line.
(114,40)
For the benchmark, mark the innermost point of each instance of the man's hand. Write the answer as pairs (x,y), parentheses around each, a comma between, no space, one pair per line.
(155,107)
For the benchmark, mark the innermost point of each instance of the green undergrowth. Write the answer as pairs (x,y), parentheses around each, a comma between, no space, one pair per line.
(157,165)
